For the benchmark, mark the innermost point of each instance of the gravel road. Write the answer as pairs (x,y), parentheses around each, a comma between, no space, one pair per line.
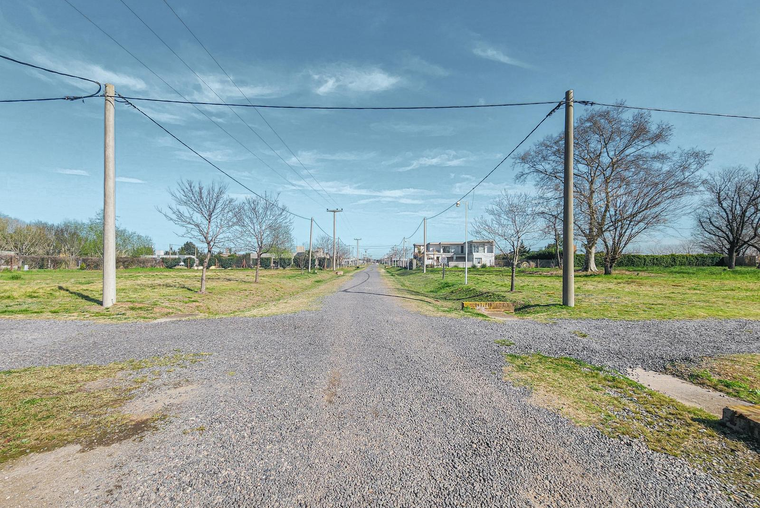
(365,403)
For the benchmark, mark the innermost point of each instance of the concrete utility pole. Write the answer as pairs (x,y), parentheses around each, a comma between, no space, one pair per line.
(337,210)
(109,205)
(357,250)
(424,245)
(311,234)
(465,240)
(568,267)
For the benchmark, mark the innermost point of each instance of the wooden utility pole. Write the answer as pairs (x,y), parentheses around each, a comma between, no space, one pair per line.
(311,235)
(568,267)
(357,250)
(109,205)
(337,210)
(424,245)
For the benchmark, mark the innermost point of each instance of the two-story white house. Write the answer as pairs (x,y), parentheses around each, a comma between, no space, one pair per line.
(480,253)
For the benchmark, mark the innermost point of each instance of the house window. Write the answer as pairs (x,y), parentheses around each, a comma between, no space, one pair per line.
(478,261)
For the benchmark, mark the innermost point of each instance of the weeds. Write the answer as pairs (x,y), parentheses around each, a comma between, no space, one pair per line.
(617,406)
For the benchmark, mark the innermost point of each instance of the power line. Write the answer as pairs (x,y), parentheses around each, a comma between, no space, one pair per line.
(214,92)
(247,99)
(663,110)
(44,69)
(342,108)
(534,129)
(167,131)
(183,97)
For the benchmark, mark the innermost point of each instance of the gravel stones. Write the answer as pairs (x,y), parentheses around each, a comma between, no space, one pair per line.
(365,403)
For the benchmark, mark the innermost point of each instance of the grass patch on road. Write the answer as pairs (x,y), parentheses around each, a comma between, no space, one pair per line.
(149,294)
(735,375)
(43,408)
(618,406)
(651,293)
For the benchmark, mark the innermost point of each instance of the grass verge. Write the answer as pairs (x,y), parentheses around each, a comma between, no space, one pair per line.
(652,293)
(735,375)
(149,294)
(43,408)
(617,406)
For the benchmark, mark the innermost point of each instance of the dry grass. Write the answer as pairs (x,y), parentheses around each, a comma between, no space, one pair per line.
(664,293)
(149,294)
(734,375)
(43,408)
(617,406)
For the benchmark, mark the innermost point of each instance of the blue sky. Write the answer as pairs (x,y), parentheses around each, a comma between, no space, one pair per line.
(386,169)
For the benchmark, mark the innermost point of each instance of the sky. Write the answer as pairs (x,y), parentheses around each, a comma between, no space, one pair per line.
(386,169)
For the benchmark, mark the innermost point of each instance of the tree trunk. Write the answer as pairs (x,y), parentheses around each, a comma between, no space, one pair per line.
(556,248)
(258,265)
(589,265)
(203,272)
(731,258)
(512,276)
(607,266)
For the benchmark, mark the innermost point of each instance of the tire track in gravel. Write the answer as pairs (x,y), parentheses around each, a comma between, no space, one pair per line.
(361,403)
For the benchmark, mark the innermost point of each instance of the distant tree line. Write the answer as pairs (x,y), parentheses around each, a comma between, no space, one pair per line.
(70,238)
(259,225)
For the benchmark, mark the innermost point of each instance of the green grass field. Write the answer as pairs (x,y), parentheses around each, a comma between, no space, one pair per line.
(651,293)
(148,294)
(598,397)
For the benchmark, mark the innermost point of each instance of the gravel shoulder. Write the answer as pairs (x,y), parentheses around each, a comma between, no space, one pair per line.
(364,402)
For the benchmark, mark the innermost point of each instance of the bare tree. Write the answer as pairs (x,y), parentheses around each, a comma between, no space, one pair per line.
(728,219)
(549,209)
(23,239)
(647,197)
(70,236)
(324,243)
(205,213)
(263,225)
(511,218)
(624,182)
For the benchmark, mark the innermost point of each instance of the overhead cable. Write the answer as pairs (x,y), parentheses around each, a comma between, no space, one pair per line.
(51,71)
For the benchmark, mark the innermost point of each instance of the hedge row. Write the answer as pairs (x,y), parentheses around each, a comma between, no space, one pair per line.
(83,263)
(656,260)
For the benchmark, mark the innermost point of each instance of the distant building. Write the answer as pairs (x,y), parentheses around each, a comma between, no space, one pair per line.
(480,253)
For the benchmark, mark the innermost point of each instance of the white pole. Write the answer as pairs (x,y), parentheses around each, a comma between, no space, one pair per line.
(311,234)
(424,245)
(109,205)
(568,267)
(465,243)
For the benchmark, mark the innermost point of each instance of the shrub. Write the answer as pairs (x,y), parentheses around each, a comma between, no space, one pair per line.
(170,262)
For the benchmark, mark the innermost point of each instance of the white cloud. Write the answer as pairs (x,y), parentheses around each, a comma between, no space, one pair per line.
(222,155)
(127,179)
(490,53)
(447,158)
(415,129)
(75,172)
(345,78)
(314,158)
(120,80)
(229,92)
(350,189)
(417,64)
